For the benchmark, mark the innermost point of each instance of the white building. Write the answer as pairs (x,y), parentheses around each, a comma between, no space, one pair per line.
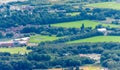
(102,30)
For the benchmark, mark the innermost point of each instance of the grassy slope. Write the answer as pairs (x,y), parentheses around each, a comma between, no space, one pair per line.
(41,38)
(78,24)
(15,50)
(111,5)
(99,39)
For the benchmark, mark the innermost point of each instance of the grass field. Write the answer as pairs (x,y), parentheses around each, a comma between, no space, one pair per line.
(78,24)
(15,50)
(90,67)
(99,39)
(110,5)
(41,38)
(73,14)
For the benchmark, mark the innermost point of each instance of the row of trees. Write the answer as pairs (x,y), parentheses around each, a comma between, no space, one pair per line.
(75,37)
(58,31)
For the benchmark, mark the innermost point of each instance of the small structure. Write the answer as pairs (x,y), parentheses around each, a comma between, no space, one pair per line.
(21,41)
(102,30)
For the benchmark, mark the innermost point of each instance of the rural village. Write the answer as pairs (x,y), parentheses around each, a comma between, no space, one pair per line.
(60,35)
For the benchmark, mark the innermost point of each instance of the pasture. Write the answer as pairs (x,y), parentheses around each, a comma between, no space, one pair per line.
(41,38)
(98,39)
(78,24)
(109,5)
(15,50)
(73,14)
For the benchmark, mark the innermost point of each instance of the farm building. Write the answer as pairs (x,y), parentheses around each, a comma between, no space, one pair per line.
(15,42)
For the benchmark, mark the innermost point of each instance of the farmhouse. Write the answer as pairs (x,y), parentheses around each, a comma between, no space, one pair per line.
(15,42)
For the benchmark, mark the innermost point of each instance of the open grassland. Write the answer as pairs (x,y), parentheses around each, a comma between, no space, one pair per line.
(15,50)
(98,39)
(78,24)
(110,5)
(41,38)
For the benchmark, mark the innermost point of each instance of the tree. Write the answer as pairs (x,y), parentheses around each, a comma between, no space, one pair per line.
(59,34)
(77,68)
(1,35)
(21,65)
(9,35)
(6,66)
(82,28)
(38,57)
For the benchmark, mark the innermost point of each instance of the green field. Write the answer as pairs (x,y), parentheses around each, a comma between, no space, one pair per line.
(15,50)
(41,38)
(99,39)
(90,67)
(110,5)
(73,14)
(78,24)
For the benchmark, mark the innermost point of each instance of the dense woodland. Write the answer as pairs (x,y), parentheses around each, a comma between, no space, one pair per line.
(52,55)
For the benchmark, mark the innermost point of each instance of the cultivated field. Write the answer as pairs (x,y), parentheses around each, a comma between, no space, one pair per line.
(78,24)
(99,39)
(15,50)
(110,5)
(41,38)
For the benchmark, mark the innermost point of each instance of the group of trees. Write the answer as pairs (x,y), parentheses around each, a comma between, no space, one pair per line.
(7,35)
(42,15)
(62,55)
(111,59)
(58,31)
